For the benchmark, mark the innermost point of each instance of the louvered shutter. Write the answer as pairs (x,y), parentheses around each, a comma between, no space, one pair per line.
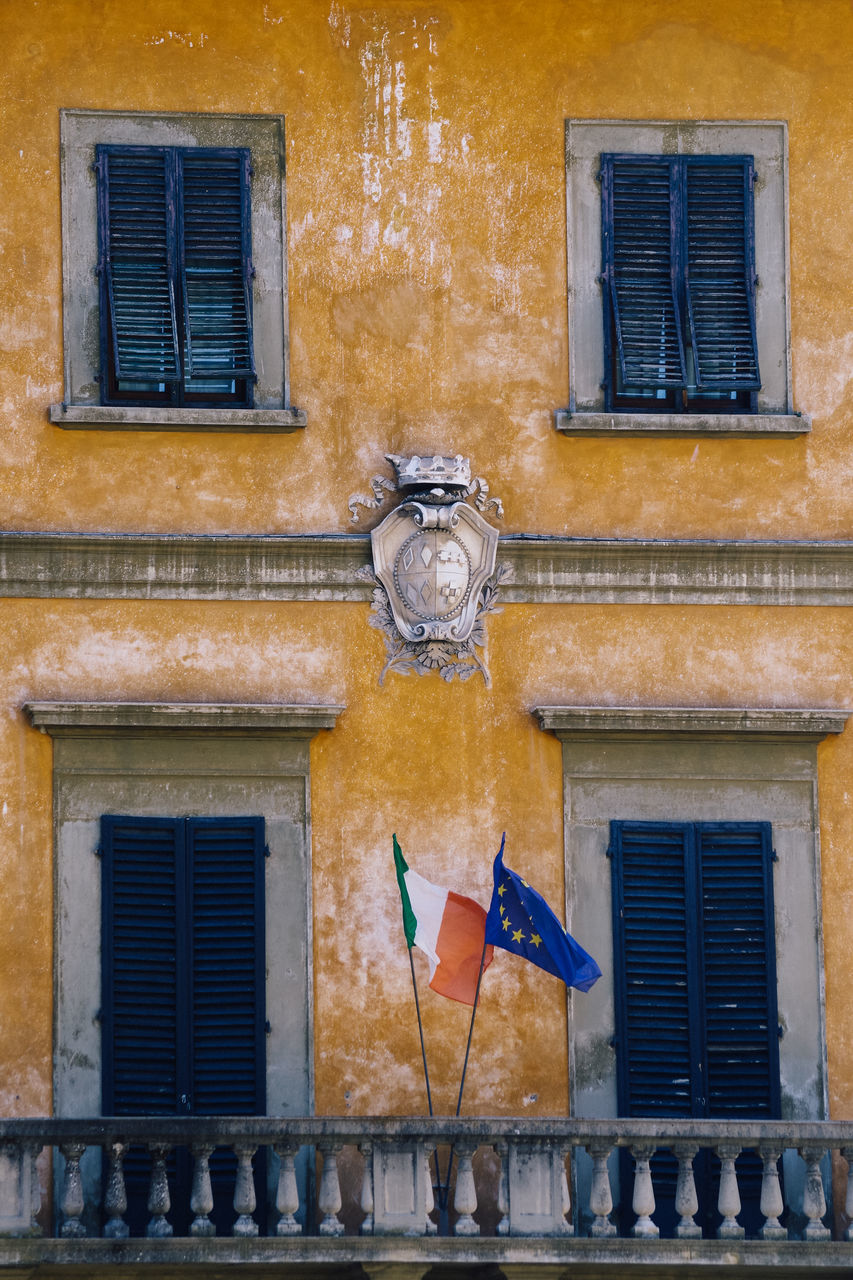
(144,966)
(719,275)
(226,859)
(656,1040)
(216,263)
(136,213)
(739,971)
(640,209)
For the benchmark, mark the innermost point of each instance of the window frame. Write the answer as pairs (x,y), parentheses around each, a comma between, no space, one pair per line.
(767,142)
(176,391)
(263,136)
(669,396)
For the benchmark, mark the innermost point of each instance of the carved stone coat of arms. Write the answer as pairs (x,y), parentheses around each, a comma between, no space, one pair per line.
(434,563)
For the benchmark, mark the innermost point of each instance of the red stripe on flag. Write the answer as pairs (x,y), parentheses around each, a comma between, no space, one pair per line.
(459,948)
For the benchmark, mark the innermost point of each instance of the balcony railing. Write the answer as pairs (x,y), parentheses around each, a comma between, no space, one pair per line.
(63,1191)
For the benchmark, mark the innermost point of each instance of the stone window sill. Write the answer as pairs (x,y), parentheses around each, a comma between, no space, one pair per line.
(591,423)
(96,417)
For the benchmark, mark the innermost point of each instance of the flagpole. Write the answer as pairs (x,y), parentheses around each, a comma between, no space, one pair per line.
(445,1192)
(420,1030)
(471,1027)
(426,1071)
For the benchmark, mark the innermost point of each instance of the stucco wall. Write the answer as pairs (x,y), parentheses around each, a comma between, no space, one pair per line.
(447,766)
(426,228)
(427,294)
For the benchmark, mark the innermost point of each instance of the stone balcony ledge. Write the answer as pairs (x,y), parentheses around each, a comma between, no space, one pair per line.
(527,1194)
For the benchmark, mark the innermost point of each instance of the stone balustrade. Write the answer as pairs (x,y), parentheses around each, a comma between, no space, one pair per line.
(512,1179)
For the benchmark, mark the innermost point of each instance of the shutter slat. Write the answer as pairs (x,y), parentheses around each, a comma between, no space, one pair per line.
(140,975)
(138,263)
(739,970)
(650,924)
(215,265)
(640,271)
(227,867)
(719,277)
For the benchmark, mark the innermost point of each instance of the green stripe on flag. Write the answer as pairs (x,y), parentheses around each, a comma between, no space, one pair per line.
(410,922)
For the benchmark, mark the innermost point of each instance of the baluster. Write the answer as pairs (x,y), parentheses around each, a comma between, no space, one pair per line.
(201,1199)
(115,1196)
(429,1197)
(771,1203)
(501,1148)
(159,1202)
(32,1153)
(287,1191)
(728,1203)
(686,1199)
(72,1203)
(245,1200)
(465,1199)
(643,1200)
(814,1201)
(847,1153)
(568,1228)
(329,1199)
(600,1197)
(366,1149)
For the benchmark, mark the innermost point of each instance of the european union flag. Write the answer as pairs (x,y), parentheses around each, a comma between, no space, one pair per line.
(521,921)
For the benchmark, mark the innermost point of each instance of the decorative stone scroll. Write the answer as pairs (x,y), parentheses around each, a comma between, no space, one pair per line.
(434,570)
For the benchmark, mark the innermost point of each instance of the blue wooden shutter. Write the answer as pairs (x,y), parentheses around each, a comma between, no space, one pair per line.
(137,263)
(719,273)
(640,203)
(657,1040)
(738,967)
(695,972)
(216,263)
(226,860)
(144,966)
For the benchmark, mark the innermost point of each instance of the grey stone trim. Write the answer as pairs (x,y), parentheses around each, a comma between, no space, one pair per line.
(73,718)
(767,142)
(326,566)
(274,1257)
(115,418)
(682,424)
(170,567)
(80,131)
(759,723)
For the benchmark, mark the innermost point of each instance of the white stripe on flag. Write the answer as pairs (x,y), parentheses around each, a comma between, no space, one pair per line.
(428,903)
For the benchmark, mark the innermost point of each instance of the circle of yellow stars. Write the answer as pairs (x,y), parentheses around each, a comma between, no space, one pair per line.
(506,924)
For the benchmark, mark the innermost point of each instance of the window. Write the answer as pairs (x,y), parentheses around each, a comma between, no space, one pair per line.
(679,283)
(183,977)
(140,761)
(174,264)
(678,278)
(175,302)
(694,969)
(733,772)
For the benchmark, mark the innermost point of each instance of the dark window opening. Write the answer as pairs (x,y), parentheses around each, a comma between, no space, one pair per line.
(695,989)
(183,990)
(175,270)
(678,254)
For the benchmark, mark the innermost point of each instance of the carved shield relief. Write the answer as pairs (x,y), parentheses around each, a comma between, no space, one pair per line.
(433,562)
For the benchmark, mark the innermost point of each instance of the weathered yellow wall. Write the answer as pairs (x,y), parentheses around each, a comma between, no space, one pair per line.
(426,218)
(448,766)
(426,226)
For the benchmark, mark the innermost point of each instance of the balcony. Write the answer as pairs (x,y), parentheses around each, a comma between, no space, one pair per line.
(359,1196)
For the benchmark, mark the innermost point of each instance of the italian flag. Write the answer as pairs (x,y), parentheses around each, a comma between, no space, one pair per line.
(449,928)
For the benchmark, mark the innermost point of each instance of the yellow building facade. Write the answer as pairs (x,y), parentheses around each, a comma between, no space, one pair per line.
(670,643)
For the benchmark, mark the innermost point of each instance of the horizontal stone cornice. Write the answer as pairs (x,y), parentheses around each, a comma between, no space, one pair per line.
(301,720)
(544,569)
(780,723)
